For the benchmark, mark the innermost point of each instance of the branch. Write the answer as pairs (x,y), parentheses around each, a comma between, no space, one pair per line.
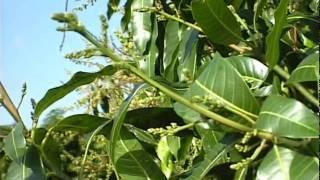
(298,86)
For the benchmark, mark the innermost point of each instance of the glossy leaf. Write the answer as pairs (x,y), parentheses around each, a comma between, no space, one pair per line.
(250,69)
(287,117)
(213,158)
(132,162)
(273,38)
(217,21)
(77,80)
(304,167)
(82,123)
(141,28)
(222,82)
(307,70)
(15,144)
(276,164)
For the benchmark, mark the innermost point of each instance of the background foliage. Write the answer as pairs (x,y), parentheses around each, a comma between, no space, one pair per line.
(193,90)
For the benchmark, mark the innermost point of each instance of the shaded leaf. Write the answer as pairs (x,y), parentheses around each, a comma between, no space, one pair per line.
(119,120)
(165,156)
(217,21)
(82,123)
(141,135)
(77,80)
(174,145)
(213,158)
(287,117)
(307,70)
(112,7)
(15,144)
(258,7)
(132,162)
(273,38)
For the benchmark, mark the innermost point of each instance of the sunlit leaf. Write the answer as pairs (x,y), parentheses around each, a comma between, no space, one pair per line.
(287,117)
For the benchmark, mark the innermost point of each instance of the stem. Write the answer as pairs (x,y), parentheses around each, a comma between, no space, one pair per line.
(181,128)
(258,150)
(298,86)
(8,104)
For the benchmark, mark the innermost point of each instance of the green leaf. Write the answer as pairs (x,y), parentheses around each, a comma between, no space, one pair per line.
(251,70)
(82,123)
(287,117)
(217,21)
(276,164)
(141,24)
(304,167)
(50,151)
(165,156)
(119,120)
(258,7)
(112,7)
(15,144)
(307,70)
(132,161)
(30,167)
(173,35)
(141,135)
(77,80)
(213,158)
(223,83)
(174,145)
(39,135)
(187,68)
(273,38)
(149,61)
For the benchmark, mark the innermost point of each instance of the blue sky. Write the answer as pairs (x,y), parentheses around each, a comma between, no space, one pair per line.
(29,49)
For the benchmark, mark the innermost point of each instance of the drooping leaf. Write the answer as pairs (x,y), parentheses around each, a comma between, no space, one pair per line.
(15,144)
(187,67)
(307,70)
(174,145)
(287,117)
(171,50)
(77,80)
(132,161)
(217,21)
(251,70)
(148,63)
(142,23)
(273,38)
(82,123)
(213,158)
(119,120)
(221,82)
(304,167)
(276,164)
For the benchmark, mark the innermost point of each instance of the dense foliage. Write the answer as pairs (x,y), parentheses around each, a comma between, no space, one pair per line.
(202,89)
